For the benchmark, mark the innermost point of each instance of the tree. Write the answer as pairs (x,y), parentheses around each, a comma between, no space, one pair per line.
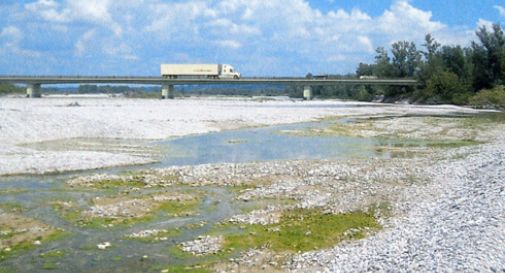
(7,88)
(365,69)
(446,87)
(406,58)
(432,47)
(382,67)
(489,57)
(455,61)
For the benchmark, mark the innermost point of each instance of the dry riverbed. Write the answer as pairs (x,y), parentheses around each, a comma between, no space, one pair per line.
(441,190)
(62,134)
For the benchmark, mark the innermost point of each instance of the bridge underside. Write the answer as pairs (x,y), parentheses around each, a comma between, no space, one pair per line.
(167,91)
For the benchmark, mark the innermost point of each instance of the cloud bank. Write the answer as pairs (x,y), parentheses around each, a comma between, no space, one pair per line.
(277,37)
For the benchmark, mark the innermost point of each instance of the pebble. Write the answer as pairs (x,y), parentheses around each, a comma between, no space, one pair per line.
(203,245)
(104,245)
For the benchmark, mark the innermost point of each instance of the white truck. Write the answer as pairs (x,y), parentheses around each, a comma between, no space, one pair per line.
(211,71)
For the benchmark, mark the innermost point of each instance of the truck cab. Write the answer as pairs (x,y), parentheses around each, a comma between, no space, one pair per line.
(227,71)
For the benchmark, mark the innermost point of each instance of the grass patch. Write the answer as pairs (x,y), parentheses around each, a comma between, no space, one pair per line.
(50,265)
(302,230)
(11,207)
(178,208)
(118,183)
(354,129)
(239,188)
(76,216)
(140,209)
(52,254)
(26,245)
(452,143)
(12,192)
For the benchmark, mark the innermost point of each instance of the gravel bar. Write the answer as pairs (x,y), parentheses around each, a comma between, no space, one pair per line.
(454,224)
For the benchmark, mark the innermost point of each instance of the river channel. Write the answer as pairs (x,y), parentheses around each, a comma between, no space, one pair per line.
(78,252)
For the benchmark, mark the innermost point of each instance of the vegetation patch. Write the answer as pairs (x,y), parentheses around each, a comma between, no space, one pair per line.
(101,181)
(125,210)
(51,259)
(176,208)
(452,143)
(52,254)
(301,230)
(18,233)
(489,98)
(11,207)
(355,129)
(12,191)
(298,230)
(127,180)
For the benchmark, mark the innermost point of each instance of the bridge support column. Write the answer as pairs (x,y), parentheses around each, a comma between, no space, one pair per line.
(33,90)
(167,91)
(307,92)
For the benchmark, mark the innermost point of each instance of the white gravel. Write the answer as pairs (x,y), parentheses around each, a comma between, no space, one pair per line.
(456,223)
(36,120)
(203,245)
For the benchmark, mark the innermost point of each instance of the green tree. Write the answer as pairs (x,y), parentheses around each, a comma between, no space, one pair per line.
(382,67)
(489,57)
(406,58)
(447,87)
(432,47)
(7,88)
(365,69)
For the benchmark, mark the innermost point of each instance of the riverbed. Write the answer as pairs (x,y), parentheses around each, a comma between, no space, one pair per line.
(182,209)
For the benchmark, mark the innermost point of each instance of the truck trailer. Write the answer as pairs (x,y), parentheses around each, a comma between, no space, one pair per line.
(210,71)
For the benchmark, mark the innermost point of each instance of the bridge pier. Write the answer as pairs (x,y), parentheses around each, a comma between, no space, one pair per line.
(33,90)
(167,91)
(308,93)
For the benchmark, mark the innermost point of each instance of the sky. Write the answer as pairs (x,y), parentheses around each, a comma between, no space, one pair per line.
(257,37)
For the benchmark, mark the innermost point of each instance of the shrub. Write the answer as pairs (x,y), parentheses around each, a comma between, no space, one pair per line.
(446,87)
(7,88)
(489,98)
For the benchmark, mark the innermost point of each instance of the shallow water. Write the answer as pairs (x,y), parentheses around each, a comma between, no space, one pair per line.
(263,144)
(246,145)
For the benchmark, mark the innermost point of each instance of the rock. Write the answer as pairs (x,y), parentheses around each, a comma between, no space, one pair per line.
(104,245)
(203,245)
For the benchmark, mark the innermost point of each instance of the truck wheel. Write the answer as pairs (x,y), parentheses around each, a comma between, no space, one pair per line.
(235,77)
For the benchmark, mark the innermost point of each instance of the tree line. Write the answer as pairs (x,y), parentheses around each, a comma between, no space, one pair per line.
(447,74)
(7,88)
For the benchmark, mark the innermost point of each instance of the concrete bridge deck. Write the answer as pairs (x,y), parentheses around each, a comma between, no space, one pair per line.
(34,82)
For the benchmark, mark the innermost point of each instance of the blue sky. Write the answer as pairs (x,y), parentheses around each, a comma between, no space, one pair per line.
(258,37)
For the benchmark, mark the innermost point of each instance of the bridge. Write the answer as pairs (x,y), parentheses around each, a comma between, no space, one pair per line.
(34,83)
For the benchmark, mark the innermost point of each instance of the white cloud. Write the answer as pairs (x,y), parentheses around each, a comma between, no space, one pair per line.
(81,44)
(366,43)
(484,23)
(121,50)
(91,11)
(231,44)
(500,9)
(11,33)
(404,21)
(223,25)
(13,37)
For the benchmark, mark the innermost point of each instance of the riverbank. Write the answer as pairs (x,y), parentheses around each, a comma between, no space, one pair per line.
(63,134)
